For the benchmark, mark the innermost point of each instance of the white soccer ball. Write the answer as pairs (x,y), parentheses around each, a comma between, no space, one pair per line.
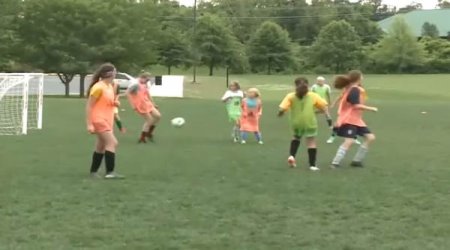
(178,122)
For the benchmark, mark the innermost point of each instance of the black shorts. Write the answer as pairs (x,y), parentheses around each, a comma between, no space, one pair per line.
(352,131)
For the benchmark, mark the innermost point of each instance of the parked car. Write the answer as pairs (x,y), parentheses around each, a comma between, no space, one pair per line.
(125,80)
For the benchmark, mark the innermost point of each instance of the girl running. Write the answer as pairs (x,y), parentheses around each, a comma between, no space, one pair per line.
(117,119)
(302,105)
(251,112)
(233,98)
(350,122)
(100,120)
(142,102)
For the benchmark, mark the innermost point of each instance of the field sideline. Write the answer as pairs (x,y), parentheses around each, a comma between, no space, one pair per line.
(194,189)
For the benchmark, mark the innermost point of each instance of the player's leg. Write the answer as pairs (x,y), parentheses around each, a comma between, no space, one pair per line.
(111,144)
(244,136)
(119,123)
(293,148)
(348,132)
(236,129)
(364,148)
(148,121)
(312,152)
(97,157)
(156,117)
(258,137)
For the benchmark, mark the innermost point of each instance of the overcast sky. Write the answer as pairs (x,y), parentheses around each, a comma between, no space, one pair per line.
(427,4)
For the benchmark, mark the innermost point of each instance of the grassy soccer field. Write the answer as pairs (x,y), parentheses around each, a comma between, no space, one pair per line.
(194,189)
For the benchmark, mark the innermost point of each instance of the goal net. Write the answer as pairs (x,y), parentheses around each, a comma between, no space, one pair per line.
(21,102)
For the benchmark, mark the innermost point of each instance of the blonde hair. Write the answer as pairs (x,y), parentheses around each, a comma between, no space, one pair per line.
(255,91)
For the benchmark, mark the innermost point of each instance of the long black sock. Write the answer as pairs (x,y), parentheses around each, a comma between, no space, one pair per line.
(97,159)
(312,153)
(295,143)
(110,160)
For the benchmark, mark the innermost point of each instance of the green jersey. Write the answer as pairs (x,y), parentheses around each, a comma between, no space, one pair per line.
(302,114)
(323,91)
(233,100)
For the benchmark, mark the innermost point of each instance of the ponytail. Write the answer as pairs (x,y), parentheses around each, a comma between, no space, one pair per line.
(343,81)
(104,71)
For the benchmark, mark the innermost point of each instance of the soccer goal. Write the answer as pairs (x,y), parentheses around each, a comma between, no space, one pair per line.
(21,102)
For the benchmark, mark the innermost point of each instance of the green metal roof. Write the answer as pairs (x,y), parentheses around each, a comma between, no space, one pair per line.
(416,19)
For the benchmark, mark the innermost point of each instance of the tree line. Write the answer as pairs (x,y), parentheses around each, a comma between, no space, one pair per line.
(71,37)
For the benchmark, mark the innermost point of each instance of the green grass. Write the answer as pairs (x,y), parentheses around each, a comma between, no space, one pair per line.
(193,189)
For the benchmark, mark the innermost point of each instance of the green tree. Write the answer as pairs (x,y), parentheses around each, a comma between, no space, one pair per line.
(173,49)
(270,48)
(399,50)
(338,47)
(438,54)
(8,35)
(214,42)
(444,4)
(61,36)
(429,29)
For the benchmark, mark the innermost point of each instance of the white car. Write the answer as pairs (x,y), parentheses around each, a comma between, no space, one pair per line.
(124,80)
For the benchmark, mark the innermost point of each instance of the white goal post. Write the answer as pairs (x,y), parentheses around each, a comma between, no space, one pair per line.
(21,102)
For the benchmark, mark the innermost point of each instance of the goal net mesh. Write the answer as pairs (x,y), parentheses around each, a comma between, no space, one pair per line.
(21,100)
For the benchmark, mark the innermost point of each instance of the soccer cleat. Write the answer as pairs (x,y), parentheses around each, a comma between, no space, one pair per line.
(95,175)
(356,164)
(291,162)
(235,140)
(314,169)
(334,166)
(142,141)
(357,142)
(260,142)
(331,140)
(243,142)
(113,176)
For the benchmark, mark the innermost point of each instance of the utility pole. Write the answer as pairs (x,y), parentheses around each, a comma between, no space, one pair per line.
(193,43)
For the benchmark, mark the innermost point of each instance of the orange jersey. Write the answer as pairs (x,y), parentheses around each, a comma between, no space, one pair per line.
(102,113)
(348,113)
(251,112)
(141,100)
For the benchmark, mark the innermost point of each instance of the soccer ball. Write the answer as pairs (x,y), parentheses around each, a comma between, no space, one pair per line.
(178,122)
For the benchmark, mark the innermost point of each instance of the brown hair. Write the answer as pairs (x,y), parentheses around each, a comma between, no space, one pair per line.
(104,71)
(301,89)
(145,75)
(235,83)
(343,81)
(301,80)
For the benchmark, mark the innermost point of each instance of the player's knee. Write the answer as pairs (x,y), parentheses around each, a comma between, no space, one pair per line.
(370,137)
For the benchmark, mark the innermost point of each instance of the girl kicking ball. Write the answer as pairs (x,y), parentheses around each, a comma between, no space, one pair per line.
(350,122)
(233,99)
(142,102)
(302,105)
(100,120)
(250,115)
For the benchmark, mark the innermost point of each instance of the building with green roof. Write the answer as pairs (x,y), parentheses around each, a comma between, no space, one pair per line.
(416,19)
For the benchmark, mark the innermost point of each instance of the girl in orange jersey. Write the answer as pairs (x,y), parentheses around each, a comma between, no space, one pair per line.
(350,122)
(100,119)
(142,102)
(251,112)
